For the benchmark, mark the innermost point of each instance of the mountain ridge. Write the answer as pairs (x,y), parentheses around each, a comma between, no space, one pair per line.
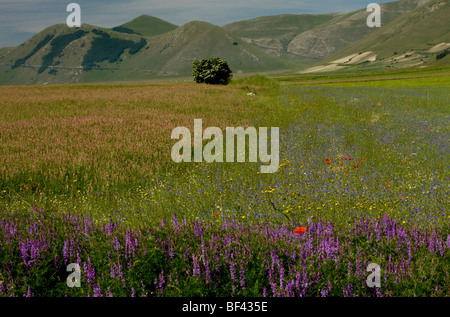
(404,42)
(148,47)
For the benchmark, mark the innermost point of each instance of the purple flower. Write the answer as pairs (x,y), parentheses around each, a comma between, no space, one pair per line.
(160,284)
(112,270)
(207,271)
(89,270)
(324,292)
(441,248)
(290,288)
(144,294)
(65,251)
(23,247)
(281,269)
(29,293)
(116,244)
(97,291)
(242,277)
(348,292)
(203,250)
(175,221)
(232,272)
(161,280)
(196,266)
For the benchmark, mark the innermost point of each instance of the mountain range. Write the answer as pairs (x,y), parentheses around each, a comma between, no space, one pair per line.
(414,33)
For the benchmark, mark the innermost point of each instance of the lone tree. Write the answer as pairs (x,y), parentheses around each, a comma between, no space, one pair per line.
(213,71)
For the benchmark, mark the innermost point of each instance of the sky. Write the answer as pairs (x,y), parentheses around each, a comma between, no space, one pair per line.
(21,19)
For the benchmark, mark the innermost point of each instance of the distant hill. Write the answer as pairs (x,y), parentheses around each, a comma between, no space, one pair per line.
(420,37)
(60,54)
(313,37)
(146,25)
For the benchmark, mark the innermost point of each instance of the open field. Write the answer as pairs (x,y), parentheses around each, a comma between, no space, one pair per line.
(86,177)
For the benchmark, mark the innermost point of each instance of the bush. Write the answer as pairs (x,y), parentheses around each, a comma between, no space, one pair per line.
(213,71)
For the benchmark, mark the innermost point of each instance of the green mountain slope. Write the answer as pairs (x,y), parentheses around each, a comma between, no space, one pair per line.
(60,54)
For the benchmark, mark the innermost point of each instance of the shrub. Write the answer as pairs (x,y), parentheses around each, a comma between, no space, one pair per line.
(213,71)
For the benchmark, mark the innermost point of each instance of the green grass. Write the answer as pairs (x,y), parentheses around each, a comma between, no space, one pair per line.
(414,75)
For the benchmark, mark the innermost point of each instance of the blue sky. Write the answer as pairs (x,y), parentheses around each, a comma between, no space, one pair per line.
(21,19)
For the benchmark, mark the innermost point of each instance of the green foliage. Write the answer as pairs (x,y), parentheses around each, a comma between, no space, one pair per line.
(58,45)
(442,55)
(122,29)
(107,48)
(41,44)
(137,46)
(211,71)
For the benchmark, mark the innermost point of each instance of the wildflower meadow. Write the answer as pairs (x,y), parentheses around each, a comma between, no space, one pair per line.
(87,179)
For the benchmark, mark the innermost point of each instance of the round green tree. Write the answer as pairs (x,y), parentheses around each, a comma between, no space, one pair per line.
(213,71)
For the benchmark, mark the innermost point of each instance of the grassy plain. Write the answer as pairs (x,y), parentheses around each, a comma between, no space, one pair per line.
(366,163)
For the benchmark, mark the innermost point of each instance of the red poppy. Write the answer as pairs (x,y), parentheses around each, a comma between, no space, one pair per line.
(216,214)
(300,230)
(389,184)
(362,159)
(327,160)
